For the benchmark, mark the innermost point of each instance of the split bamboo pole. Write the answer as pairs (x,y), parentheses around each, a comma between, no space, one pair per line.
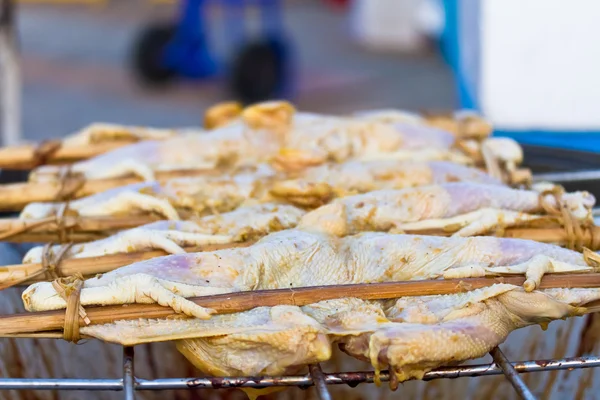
(15,196)
(28,273)
(25,274)
(49,321)
(28,156)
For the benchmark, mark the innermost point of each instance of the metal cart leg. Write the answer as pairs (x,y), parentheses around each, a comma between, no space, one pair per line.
(128,374)
(319,380)
(511,374)
(10,79)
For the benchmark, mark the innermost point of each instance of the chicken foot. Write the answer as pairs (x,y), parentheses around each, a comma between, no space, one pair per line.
(129,199)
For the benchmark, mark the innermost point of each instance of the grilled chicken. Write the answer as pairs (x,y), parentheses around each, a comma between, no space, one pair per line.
(185,151)
(300,141)
(463,124)
(464,209)
(410,335)
(293,258)
(314,187)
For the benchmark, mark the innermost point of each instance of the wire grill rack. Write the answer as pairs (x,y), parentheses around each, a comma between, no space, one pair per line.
(129,384)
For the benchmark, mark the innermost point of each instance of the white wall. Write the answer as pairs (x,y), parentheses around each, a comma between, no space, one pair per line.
(536,63)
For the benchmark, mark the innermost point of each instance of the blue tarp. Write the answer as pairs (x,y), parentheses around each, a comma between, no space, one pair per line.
(583,141)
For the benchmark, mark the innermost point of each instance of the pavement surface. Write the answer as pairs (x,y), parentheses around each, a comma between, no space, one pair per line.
(75,69)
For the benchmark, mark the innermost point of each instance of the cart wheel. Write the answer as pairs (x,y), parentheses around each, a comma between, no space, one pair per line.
(147,54)
(12,176)
(260,71)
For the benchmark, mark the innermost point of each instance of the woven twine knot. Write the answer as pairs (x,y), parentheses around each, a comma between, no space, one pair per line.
(580,234)
(63,225)
(44,151)
(69,289)
(51,261)
(70,183)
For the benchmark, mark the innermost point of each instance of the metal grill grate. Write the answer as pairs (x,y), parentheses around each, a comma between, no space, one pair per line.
(316,377)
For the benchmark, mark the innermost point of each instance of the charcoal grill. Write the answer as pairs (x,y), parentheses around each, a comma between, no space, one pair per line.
(572,169)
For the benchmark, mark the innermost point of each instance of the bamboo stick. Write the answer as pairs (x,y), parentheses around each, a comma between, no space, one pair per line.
(26,274)
(83,229)
(26,156)
(15,196)
(27,323)
(77,228)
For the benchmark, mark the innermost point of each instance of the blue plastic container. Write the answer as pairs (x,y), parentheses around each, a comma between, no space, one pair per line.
(451,48)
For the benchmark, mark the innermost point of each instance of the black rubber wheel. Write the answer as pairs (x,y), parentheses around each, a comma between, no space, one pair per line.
(12,176)
(147,53)
(259,71)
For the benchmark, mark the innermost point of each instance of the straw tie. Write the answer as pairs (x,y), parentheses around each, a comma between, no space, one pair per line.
(44,151)
(69,289)
(578,232)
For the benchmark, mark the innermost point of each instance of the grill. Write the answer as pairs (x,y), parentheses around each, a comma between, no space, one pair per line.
(554,164)
(129,384)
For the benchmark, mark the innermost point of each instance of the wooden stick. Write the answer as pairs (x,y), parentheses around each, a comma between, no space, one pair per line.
(25,157)
(78,228)
(15,196)
(11,275)
(83,229)
(27,323)
(553,235)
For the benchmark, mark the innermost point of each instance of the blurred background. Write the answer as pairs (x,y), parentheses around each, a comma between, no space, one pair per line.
(530,67)
(96,60)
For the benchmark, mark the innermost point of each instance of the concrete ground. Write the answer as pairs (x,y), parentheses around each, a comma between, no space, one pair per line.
(74,63)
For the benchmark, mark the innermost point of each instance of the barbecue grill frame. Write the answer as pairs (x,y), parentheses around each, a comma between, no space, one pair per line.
(129,384)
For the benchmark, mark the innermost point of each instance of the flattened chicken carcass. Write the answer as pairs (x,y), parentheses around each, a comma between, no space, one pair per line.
(296,258)
(461,209)
(182,152)
(196,195)
(312,188)
(272,132)
(410,335)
